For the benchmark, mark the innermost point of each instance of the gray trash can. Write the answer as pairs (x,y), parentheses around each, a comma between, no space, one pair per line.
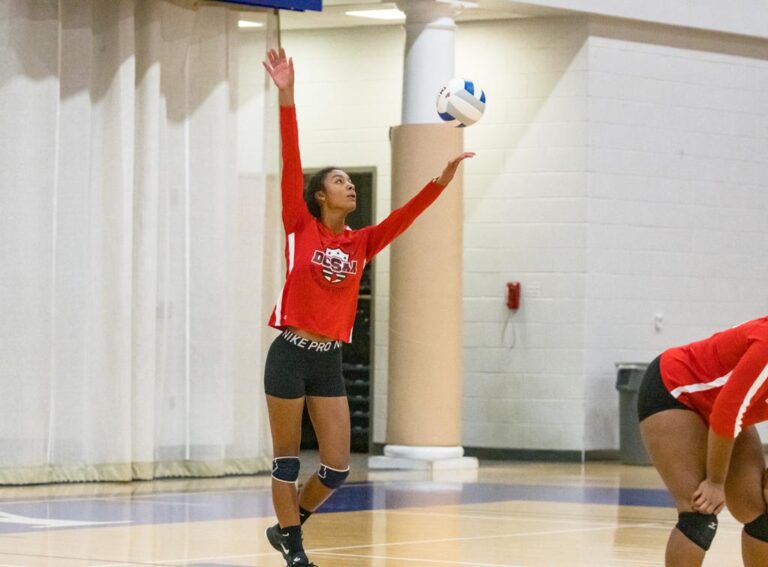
(628,378)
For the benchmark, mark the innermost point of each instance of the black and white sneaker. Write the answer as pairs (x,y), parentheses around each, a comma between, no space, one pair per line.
(278,540)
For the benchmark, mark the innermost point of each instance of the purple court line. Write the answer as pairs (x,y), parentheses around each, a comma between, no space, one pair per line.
(183,507)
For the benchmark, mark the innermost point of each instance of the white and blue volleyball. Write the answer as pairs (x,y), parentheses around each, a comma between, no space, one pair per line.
(461,102)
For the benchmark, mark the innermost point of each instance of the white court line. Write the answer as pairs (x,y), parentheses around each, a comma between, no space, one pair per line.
(73,558)
(660,524)
(328,550)
(52,523)
(504,518)
(445,562)
(616,560)
(415,560)
(123,564)
(478,538)
(161,502)
(720,527)
(198,559)
(148,563)
(118,497)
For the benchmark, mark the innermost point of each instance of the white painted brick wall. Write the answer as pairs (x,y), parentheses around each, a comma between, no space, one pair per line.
(524,221)
(746,17)
(621,172)
(677,197)
(524,207)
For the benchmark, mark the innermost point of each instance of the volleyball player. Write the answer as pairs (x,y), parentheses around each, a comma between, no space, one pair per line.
(316,311)
(698,405)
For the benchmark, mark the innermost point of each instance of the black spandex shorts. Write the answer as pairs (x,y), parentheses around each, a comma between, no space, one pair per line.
(297,367)
(653,396)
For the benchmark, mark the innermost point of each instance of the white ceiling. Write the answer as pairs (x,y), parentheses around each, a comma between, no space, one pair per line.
(334,14)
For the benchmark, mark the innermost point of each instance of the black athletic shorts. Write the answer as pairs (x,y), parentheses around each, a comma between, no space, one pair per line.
(297,367)
(653,395)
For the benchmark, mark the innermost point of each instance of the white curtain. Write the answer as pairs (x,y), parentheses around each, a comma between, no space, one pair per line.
(137,265)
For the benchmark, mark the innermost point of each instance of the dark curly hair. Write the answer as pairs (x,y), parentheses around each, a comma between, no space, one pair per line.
(314,185)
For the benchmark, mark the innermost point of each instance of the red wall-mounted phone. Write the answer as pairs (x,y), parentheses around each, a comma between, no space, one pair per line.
(513,295)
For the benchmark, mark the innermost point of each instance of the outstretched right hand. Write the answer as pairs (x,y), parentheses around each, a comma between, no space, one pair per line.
(450,168)
(280,68)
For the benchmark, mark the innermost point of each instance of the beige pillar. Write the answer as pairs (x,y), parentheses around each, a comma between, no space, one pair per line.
(425,332)
(425,335)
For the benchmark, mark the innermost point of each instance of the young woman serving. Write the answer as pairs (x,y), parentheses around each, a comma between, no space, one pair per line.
(316,312)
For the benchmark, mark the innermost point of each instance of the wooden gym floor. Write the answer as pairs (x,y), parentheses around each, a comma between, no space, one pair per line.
(510,514)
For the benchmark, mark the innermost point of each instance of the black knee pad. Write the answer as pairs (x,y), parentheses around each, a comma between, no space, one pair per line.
(699,528)
(332,478)
(286,469)
(758,528)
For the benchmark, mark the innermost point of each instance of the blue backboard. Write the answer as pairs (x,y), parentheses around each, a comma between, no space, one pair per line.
(300,5)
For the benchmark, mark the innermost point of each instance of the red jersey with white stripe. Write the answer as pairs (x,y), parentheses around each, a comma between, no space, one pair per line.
(324,269)
(723,378)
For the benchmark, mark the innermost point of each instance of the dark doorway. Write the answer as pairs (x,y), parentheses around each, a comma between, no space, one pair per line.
(358,355)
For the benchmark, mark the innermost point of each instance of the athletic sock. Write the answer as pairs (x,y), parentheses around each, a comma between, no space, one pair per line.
(304,515)
(292,535)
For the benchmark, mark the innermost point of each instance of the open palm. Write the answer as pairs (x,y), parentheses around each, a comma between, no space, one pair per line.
(450,169)
(280,68)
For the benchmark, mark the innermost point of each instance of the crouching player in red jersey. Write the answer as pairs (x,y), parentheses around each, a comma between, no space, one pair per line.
(698,405)
(316,312)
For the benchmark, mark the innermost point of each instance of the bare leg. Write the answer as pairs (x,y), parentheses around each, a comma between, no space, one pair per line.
(744,492)
(330,417)
(676,440)
(765,486)
(285,425)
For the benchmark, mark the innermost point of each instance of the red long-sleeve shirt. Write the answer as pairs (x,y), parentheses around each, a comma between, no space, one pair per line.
(723,378)
(324,269)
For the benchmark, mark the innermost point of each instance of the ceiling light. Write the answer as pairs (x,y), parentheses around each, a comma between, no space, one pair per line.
(386,14)
(246,24)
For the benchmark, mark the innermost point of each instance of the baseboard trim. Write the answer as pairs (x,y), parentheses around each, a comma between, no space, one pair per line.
(602,455)
(529,455)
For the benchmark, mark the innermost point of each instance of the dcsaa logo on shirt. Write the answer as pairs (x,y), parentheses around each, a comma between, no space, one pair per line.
(335,263)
